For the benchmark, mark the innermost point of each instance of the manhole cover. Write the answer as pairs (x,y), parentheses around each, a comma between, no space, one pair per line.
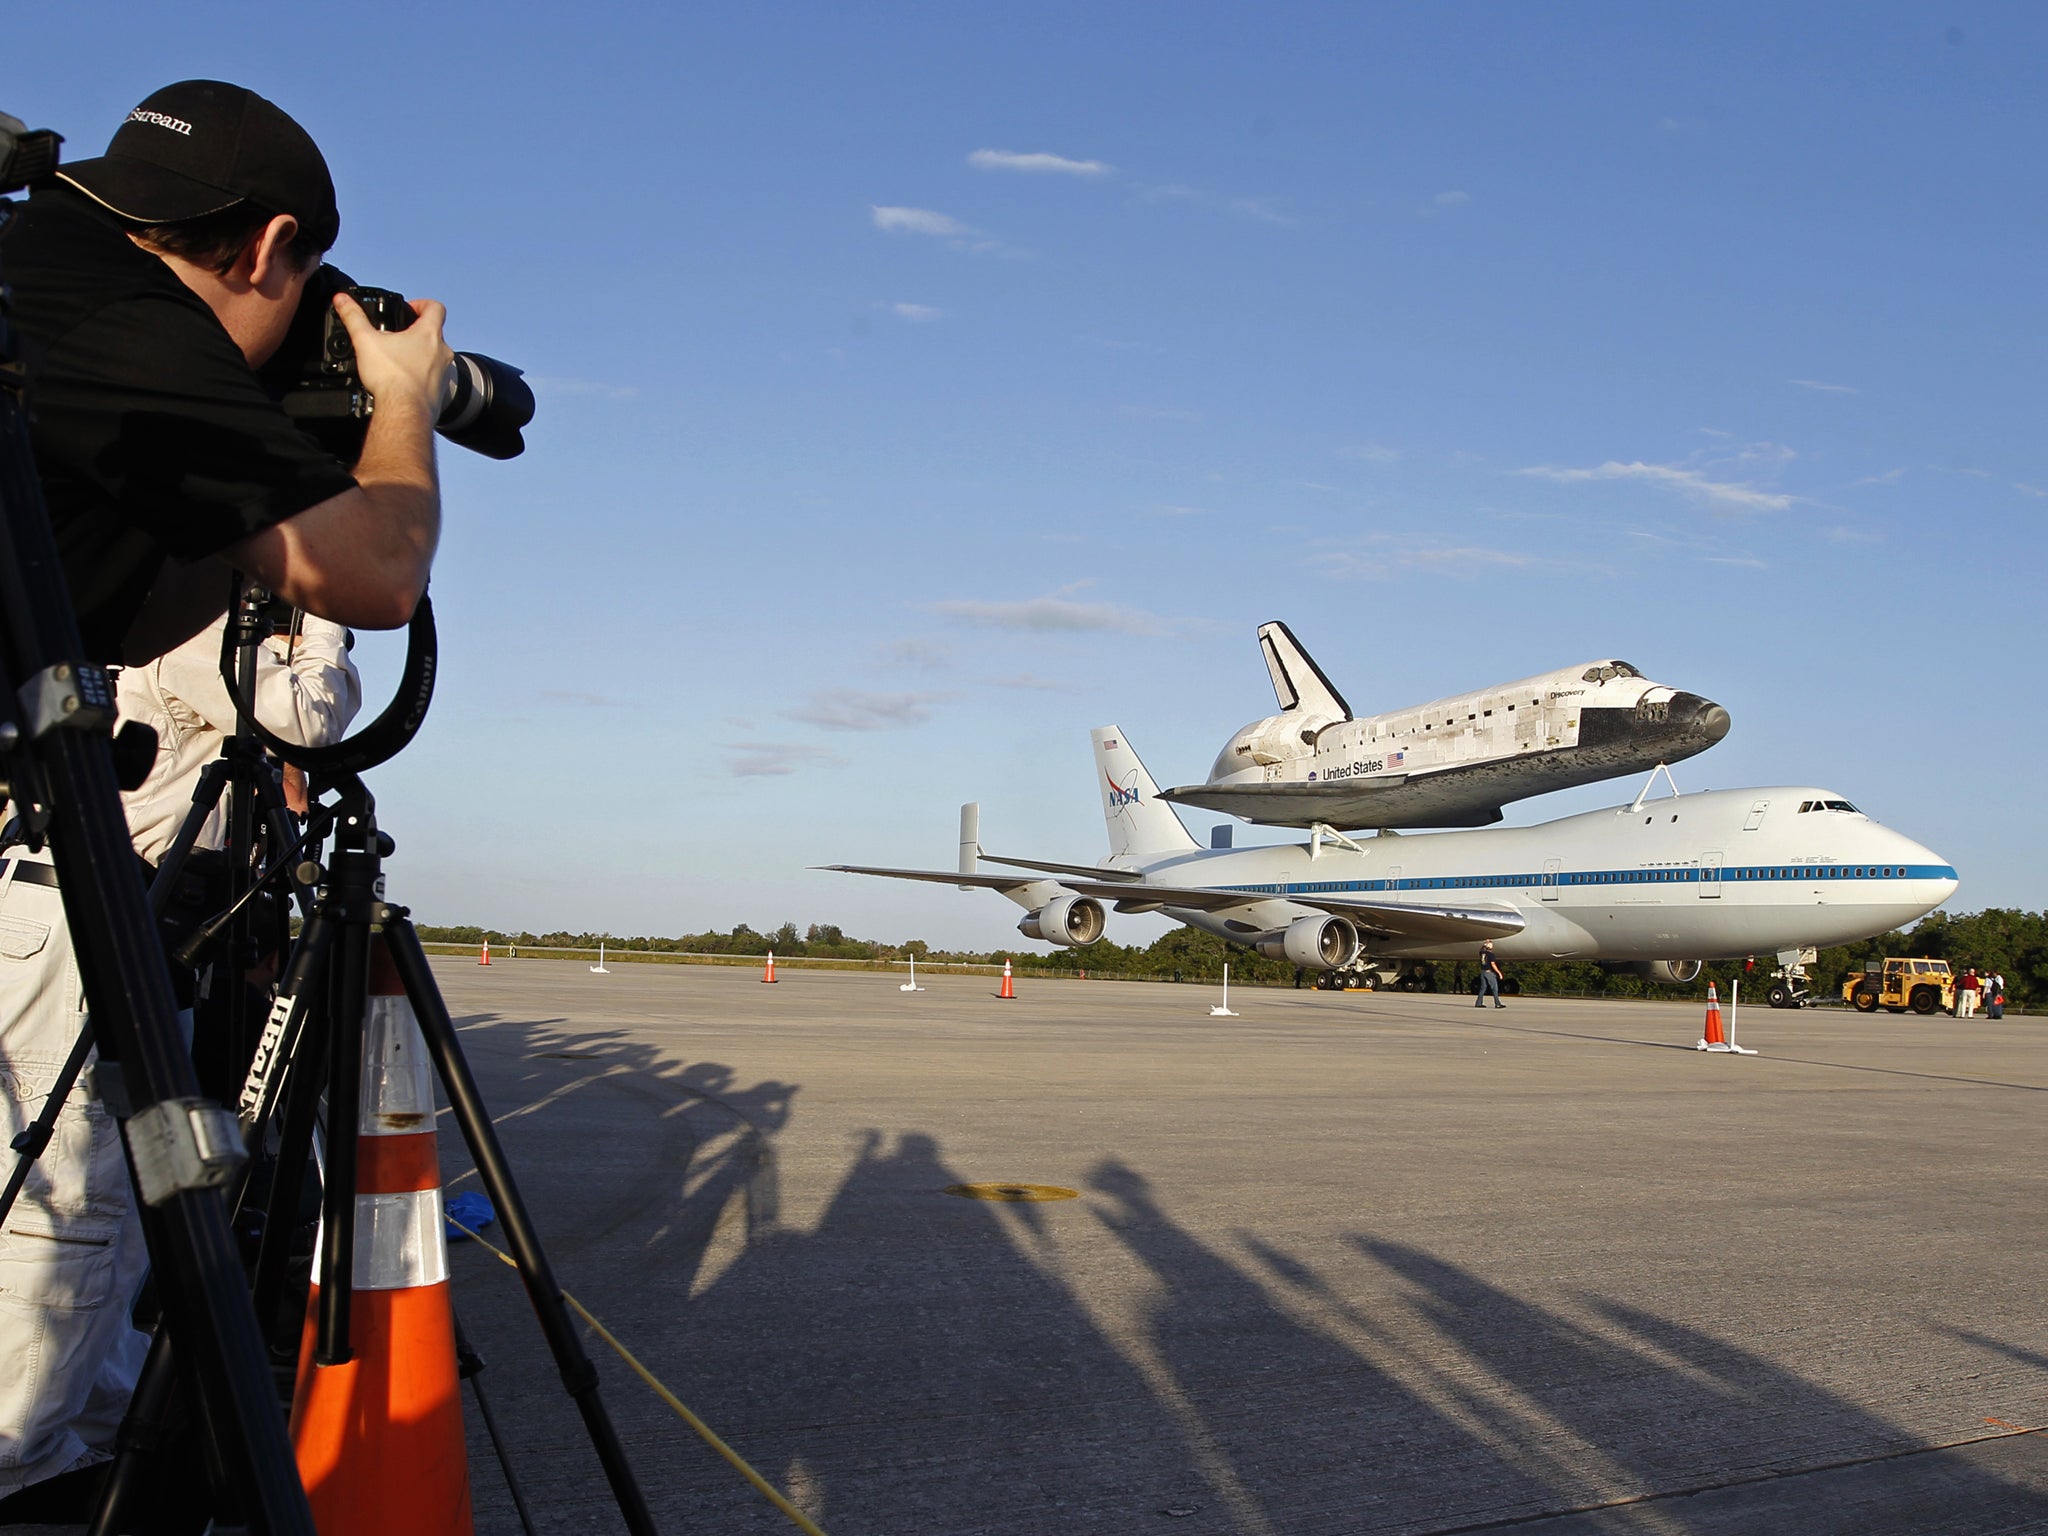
(1013,1192)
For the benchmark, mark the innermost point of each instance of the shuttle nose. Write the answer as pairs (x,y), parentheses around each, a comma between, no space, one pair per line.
(1703,717)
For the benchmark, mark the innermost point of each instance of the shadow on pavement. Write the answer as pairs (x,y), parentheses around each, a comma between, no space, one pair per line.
(916,1362)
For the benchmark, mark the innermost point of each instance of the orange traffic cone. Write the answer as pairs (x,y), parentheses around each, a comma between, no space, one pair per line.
(1009,986)
(769,974)
(487,953)
(379,1438)
(1716,1040)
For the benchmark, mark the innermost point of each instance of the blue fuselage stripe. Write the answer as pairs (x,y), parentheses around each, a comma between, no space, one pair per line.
(1740,874)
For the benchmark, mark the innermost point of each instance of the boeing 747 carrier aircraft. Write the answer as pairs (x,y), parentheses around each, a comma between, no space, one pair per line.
(1450,763)
(1660,885)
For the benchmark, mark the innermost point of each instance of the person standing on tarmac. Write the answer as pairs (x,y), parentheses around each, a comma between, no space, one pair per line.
(1489,977)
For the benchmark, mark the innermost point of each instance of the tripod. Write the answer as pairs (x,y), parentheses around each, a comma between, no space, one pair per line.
(310,1052)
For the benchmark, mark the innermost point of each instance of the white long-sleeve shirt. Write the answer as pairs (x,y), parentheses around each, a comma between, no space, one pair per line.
(307,696)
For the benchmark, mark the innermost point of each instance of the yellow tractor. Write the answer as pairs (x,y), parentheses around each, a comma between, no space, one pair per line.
(1925,986)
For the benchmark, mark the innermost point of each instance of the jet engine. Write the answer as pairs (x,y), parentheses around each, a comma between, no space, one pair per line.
(1316,943)
(1069,921)
(1671,973)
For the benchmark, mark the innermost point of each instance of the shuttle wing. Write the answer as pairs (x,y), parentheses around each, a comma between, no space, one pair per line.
(1450,797)
(1417,924)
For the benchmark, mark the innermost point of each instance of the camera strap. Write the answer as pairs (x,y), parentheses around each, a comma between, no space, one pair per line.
(383,738)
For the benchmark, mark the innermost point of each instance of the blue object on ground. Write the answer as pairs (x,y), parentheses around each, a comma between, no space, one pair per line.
(473,1210)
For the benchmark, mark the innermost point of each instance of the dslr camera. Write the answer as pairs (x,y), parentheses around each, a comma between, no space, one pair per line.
(483,404)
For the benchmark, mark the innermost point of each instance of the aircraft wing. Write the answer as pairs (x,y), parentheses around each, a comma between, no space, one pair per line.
(1086,871)
(1003,883)
(1415,924)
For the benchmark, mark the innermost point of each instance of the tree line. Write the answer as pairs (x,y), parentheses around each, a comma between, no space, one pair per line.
(2002,939)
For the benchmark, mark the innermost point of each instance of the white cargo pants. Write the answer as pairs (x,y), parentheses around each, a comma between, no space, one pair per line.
(71,1251)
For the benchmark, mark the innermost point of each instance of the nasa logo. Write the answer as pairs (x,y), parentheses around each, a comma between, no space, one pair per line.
(1122,795)
(1311,775)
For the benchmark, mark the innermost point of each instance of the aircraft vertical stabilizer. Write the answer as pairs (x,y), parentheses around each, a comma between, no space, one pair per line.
(1298,682)
(1139,822)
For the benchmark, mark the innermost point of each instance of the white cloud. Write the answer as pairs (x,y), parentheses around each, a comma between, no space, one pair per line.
(1027,681)
(1392,557)
(853,709)
(1722,494)
(774,759)
(925,653)
(1259,209)
(552,386)
(1167,509)
(1889,477)
(1824,389)
(1035,164)
(1051,615)
(1371,453)
(1747,562)
(916,314)
(2029,490)
(919,221)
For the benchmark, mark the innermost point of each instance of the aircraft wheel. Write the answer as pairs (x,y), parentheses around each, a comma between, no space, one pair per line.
(1780,995)
(1511,987)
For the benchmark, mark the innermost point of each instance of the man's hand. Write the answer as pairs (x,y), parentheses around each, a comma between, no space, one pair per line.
(404,370)
(362,557)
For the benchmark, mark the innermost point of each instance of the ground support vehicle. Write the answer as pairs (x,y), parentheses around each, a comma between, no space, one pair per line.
(1898,983)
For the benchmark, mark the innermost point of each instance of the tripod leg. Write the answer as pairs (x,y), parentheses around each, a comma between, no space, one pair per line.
(348,994)
(470,1366)
(29,1145)
(287,1180)
(579,1376)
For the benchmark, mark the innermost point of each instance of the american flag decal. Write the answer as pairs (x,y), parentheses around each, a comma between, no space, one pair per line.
(1109,744)
(1396,759)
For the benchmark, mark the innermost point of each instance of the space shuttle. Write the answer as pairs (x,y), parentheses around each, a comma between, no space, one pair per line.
(1453,762)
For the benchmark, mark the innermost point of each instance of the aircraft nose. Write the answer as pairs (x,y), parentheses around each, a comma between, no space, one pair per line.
(1702,716)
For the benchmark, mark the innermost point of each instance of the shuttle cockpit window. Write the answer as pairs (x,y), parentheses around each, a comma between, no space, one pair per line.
(1609,669)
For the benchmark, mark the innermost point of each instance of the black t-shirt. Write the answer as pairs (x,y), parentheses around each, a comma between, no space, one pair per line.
(152,436)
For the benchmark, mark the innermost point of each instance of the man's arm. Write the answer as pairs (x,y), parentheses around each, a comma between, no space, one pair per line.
(362,557)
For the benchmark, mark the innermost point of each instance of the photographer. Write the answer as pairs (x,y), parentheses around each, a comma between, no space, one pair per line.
(147,289)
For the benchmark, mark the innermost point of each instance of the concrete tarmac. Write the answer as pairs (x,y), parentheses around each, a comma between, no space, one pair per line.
(1347,1263)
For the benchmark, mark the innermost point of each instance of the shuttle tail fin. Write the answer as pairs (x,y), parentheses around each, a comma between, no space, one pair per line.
(1139,822)
(1297,681)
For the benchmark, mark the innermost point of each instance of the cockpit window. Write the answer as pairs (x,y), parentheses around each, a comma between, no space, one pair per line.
(1602,671)
(1841,805)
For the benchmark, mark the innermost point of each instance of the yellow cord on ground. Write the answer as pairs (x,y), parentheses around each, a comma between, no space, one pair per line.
(705,1431)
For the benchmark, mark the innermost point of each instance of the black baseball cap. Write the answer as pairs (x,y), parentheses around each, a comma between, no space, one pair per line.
(202,146)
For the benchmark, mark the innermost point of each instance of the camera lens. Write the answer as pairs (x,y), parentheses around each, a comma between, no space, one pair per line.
(487,403)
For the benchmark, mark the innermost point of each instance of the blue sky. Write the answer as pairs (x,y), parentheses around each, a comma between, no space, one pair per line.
(922,385)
